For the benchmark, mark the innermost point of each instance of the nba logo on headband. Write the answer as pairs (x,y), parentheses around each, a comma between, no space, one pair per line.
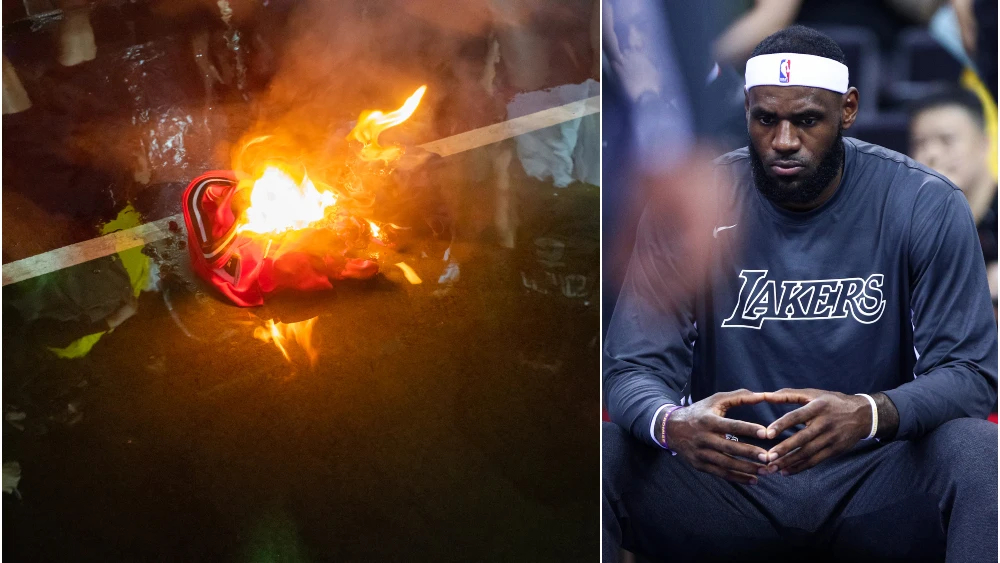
(784,71)
(812,71)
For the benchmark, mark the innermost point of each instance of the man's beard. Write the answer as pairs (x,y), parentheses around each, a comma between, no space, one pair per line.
(808,188)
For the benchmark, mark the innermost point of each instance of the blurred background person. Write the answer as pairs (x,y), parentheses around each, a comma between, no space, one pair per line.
(760,18)
(948,133)
(977,21)
(667,110)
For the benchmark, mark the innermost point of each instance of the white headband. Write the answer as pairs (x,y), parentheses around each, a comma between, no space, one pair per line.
(796,69)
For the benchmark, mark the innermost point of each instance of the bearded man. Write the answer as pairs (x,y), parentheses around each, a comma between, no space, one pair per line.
(819,391)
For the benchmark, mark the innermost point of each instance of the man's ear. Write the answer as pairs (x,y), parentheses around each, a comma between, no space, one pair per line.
(849,110)
(746,107)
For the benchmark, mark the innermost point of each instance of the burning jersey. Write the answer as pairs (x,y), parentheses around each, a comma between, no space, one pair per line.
(246,266)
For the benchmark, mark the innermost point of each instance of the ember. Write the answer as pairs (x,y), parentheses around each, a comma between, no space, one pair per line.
(283,335)
(408,272)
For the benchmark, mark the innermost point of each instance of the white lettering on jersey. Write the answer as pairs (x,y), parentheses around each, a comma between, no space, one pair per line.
(762,300)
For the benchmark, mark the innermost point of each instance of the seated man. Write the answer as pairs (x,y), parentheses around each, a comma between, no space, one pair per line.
(948,134)
(822,384)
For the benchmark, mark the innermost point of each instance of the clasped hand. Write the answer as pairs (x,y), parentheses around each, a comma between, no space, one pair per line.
(834,422)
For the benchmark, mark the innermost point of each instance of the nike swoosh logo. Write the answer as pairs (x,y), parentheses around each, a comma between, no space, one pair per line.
(715,231)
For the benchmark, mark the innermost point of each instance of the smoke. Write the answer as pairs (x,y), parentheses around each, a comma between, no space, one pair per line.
(341,58)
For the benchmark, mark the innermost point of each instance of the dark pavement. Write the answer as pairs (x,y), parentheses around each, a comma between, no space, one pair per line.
(441,423)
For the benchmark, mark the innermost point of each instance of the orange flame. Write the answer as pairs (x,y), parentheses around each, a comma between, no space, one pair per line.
(278,203)
(282,335)
(372,123)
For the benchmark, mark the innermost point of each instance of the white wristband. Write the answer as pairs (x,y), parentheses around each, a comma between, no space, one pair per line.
(652,423)
(874,415)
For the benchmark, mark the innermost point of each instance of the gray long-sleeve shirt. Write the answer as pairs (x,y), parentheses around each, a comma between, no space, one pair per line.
(881,288)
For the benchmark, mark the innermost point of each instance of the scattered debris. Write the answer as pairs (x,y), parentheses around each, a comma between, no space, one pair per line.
(14,417)
(408,272)
(551,367)
(73,414)
(451,274)
(15,97)
(11,477)
(173,314)
(157,364)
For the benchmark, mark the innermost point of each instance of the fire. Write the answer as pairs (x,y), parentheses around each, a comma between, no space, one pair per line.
(372,123)
(282,335)
(279,203)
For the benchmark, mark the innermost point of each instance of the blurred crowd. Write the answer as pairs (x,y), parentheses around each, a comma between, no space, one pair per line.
(673,82)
